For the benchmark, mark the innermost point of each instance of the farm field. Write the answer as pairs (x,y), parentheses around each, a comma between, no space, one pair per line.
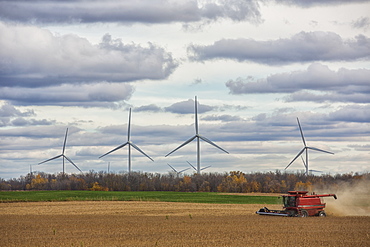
(130,223)
(164,196)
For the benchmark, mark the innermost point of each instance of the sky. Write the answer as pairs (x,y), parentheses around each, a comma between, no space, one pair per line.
(254,65)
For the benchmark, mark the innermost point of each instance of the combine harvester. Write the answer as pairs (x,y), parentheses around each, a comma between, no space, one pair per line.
(299,204)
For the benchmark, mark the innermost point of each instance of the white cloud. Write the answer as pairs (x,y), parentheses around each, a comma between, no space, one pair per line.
(300,48)
(312,3)
(362,22)
(85,95)
(78,65)
(187,107)
(341,85)
(352,113)
(143,11)
(34,57)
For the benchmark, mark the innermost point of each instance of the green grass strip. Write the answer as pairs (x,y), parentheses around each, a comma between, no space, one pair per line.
(160,196)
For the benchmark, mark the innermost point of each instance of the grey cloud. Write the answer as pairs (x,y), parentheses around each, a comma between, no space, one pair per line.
(313,3)
(362,22)
(360,147)
(348,122)
(341,85)
(352,113)
(302,47)
(86,95)
(328,97)
(10,116)
(144,11)
(148,108)
(8,110)
(187,107)
(197,81)
(223,118)
(28,122)
(226,107)
(51,131)
(34,57)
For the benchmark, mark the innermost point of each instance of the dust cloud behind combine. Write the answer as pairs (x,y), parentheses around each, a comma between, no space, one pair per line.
(353,199)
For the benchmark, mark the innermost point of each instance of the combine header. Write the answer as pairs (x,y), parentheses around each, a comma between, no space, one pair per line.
(298,203)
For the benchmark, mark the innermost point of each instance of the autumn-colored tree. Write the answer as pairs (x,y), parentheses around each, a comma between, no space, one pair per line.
(283,186)
(254,186)
(38,183)
(97,187)
(235,182)
(186,184)
(205,187)
(303,186)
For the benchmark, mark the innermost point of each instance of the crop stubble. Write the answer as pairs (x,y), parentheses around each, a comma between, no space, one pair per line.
(170,224)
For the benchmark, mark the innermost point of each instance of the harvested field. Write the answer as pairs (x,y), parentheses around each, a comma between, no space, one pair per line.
(119,223)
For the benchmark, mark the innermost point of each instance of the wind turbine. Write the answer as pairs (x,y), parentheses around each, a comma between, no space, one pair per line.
(304,163)
(198,139)
(305,148)
(196,168)
(129,143)
(31,171)
(178,172)
(62,155)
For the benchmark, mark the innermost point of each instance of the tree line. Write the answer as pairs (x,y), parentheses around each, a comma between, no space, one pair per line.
(231,182)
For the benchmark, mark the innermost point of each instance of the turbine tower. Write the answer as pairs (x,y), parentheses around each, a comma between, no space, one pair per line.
(129,143)
(198,139)
(62,155)
(305,148)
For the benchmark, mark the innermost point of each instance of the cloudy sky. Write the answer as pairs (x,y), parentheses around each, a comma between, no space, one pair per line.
(255,66)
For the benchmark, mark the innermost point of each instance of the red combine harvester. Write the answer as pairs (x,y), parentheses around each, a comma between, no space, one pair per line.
(299,204)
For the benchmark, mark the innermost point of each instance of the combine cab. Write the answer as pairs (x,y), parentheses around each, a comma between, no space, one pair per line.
(298,203)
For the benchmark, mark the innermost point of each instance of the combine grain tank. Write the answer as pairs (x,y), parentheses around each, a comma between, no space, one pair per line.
(298,203)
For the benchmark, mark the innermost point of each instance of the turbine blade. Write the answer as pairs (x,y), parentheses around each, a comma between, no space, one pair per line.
(65,141)
(172,167)
(304,163)
(181,145)
(56,157)
(129,126)
(138,149)
(296,157)
(205,168)
(184,170)
(196,116)
(213,144)
(191,165)
(304,142)
(70,161)
(314,171)
(320,150)
(114,149)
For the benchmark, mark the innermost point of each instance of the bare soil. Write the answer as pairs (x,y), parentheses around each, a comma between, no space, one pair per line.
(118,223)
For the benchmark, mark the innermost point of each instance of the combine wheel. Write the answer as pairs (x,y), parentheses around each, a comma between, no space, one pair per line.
(322,214)
(304,213)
